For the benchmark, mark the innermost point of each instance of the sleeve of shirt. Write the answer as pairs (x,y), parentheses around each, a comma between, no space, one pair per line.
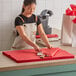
(38,21)
(18,22)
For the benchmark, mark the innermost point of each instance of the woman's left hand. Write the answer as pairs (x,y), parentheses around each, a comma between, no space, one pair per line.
(49,46)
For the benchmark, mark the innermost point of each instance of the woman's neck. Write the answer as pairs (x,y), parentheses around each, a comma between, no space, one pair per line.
(27,15)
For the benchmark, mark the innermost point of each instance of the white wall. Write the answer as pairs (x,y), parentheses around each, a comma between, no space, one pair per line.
(9,9)
(58,7)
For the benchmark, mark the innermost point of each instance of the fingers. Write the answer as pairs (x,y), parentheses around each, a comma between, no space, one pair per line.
(49,46)
(37,48)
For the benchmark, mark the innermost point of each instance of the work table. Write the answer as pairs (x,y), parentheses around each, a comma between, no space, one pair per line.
(6,64)
(63,67)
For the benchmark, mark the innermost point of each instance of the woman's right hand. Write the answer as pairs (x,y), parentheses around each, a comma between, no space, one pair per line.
(36,47)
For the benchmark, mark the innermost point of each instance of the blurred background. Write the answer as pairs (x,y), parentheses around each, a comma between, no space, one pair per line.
(9,9)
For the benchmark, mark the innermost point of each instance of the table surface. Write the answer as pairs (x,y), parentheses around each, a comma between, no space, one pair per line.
(7,64)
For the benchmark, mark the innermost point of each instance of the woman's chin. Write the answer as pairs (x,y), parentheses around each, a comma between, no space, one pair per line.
(30,14)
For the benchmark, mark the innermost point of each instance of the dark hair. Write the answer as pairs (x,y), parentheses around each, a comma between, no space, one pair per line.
(28,2)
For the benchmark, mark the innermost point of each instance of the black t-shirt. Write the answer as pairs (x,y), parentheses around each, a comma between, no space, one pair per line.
(32,19)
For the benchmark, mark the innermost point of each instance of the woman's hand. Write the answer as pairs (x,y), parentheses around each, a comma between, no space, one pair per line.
(36,47)
(49,46)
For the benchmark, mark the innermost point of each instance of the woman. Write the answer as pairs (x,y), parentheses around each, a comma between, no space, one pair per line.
(26,25)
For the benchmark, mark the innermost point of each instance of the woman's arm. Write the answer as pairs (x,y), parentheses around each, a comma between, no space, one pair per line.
(43,36)
(23,35)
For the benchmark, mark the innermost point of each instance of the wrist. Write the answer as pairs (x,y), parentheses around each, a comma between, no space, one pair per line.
(34,45)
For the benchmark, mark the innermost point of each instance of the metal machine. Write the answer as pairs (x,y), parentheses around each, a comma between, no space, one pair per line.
(44,17)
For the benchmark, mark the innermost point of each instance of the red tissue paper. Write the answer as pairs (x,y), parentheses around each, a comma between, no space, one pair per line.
(69,12)
(72,11)
(74,20)
(30,55)
(49,36)
(73,7)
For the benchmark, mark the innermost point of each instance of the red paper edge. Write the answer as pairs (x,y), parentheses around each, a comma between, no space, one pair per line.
(38,59)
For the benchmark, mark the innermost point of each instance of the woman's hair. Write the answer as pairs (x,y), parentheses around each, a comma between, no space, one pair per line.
(28,2)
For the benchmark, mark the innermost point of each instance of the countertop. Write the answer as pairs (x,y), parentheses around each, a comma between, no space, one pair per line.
(6,64)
